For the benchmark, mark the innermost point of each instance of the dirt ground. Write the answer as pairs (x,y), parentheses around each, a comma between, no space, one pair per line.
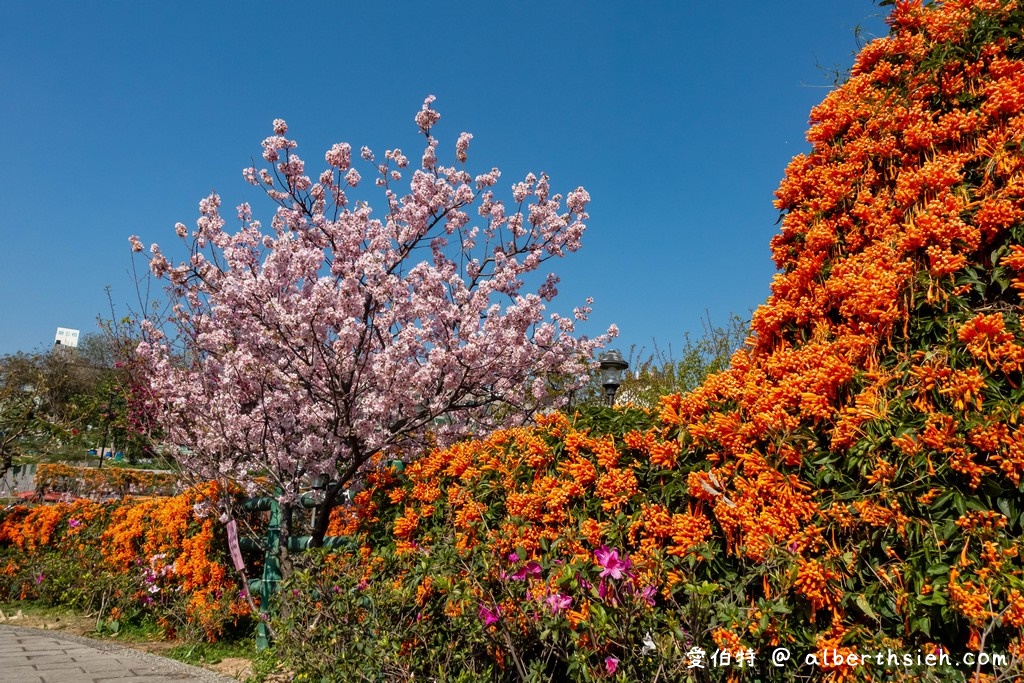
(234,667)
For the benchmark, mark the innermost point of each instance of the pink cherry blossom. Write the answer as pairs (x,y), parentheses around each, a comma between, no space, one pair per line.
(332,336)
(340,156)
(427,117)
(461,146)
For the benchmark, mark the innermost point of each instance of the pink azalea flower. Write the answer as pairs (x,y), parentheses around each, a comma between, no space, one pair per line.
(611,664)
(528,569)
(612,565)
(648,594)
(558,602)
(74,523)
(489,617)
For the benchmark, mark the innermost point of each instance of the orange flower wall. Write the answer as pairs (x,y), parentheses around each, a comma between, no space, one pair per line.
(156,555)
(853,480)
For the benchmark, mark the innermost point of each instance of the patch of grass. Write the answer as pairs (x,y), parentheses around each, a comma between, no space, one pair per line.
(129,630)
(35,608)
(211,653)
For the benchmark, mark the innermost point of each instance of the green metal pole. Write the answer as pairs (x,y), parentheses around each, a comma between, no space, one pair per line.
(271,574)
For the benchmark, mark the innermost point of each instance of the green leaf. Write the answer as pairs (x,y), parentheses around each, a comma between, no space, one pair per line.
(921,624)
(865,607)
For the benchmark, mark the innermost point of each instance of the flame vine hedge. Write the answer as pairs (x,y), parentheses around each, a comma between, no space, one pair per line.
(851,484)
(161,558)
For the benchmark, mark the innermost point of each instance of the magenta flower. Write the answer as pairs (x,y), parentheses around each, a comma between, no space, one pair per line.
(528,569)
(612,565)
(74,523)
(558,602)
(513,557)
(489,617)
(648,594)
(611,664)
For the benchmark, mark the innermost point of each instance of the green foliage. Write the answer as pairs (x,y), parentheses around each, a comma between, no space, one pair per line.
(338,625)
(661,372)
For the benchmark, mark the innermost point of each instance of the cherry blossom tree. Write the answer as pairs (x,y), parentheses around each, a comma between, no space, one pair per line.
(339,336)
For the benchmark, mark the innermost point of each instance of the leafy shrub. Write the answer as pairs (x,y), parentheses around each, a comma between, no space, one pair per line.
(135,559)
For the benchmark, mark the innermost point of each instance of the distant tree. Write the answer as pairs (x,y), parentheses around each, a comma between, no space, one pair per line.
(45,402)
(18,406)
(65,401)
(664,371)
(339,336)
(98,350)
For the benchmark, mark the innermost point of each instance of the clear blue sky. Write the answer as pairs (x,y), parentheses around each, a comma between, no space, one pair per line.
(678,117)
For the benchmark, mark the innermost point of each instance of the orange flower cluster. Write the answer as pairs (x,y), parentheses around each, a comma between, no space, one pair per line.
(514,492)
(817,584)
(139,539)
(889,355)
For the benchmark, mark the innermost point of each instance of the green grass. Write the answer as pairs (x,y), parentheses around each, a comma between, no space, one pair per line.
(211,653)
(33,608)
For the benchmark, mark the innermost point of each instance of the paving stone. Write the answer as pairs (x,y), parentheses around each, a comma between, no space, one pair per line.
(59,666)
(100,665)
(152,678)
(30,656)
(19,671)
(35,659)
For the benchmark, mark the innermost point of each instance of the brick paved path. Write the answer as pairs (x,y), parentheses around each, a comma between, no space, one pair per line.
(31,656)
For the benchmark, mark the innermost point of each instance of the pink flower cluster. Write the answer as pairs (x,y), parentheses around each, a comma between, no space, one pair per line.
(335,334)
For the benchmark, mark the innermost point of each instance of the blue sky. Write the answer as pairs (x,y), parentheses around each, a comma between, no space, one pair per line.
(678,117)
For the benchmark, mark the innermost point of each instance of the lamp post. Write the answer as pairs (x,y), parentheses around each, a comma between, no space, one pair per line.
(612,369)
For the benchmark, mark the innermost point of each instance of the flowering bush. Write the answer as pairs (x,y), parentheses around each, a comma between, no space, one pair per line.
(89,482)
(154,557)
(850,485)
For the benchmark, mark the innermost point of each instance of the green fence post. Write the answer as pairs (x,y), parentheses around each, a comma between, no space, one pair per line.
(267,585)
(271,574)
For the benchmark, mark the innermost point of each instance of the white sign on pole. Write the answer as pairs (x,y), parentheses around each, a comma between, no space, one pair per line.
(66,337)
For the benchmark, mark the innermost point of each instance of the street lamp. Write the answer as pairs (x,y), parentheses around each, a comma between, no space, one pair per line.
(612,369)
